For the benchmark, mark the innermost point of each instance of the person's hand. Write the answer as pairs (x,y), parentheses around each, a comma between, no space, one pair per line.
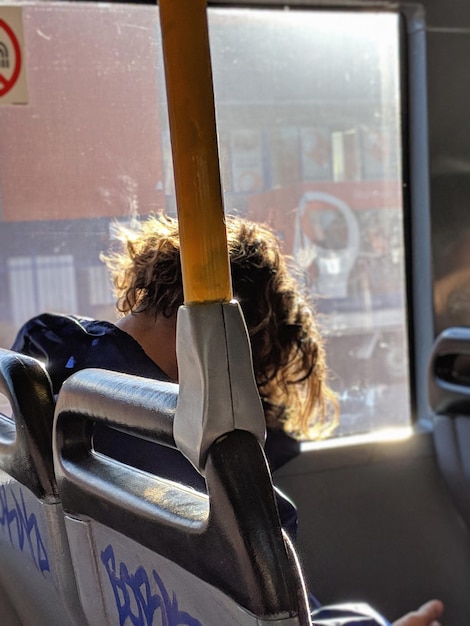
(427,615)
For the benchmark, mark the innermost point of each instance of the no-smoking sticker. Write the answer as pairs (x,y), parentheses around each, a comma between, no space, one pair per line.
(13,87)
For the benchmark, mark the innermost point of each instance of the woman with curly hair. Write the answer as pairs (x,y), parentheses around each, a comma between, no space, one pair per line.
(288,352)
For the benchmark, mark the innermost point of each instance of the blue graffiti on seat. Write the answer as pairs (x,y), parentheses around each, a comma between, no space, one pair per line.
(136,590)
(15,517)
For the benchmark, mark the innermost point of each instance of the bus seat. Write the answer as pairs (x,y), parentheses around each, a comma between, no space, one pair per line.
(159,551)
(36,573)
(449,399)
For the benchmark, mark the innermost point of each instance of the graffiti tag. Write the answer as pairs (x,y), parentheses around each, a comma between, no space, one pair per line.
(23,530)
(138,597)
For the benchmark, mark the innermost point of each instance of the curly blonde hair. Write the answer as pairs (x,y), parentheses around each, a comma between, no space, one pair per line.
(288,350)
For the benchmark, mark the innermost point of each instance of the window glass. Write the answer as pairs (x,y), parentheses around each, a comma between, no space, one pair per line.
(451,250)
(308,112)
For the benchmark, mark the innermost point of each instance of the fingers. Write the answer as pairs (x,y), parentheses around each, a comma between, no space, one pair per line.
(427,615)
(431,611)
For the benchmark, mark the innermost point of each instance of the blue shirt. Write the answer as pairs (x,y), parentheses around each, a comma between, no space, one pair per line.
(68,343)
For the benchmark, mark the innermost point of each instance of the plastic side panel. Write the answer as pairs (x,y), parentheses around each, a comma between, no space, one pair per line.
(7,612)
(140,587)
(36,567)
(449,398)
(84,552)
(448,376)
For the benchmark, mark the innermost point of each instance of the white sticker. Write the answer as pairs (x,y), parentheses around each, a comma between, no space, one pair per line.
(13,85)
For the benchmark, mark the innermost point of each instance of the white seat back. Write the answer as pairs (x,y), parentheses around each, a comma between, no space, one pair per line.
(159,551)
(36,573)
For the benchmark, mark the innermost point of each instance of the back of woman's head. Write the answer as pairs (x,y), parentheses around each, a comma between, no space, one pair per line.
(288,351)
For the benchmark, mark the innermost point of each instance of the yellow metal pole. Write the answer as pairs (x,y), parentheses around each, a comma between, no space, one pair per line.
(188,75)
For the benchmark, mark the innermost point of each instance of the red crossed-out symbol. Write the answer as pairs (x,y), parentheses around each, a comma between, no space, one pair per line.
(8,83)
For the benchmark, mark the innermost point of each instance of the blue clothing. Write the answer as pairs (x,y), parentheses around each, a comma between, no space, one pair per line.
(67,344)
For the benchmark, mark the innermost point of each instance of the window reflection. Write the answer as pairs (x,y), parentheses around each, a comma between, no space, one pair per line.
(309,139)
(451,251)
(315,96)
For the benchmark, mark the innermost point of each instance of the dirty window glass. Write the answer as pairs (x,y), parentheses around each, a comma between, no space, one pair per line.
(308,111)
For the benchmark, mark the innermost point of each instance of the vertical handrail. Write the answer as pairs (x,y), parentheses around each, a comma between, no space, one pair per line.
(218,391)
(188,75)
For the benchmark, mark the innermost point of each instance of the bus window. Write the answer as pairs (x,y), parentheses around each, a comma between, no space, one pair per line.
(450,237)
(308,106)
(308,114)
